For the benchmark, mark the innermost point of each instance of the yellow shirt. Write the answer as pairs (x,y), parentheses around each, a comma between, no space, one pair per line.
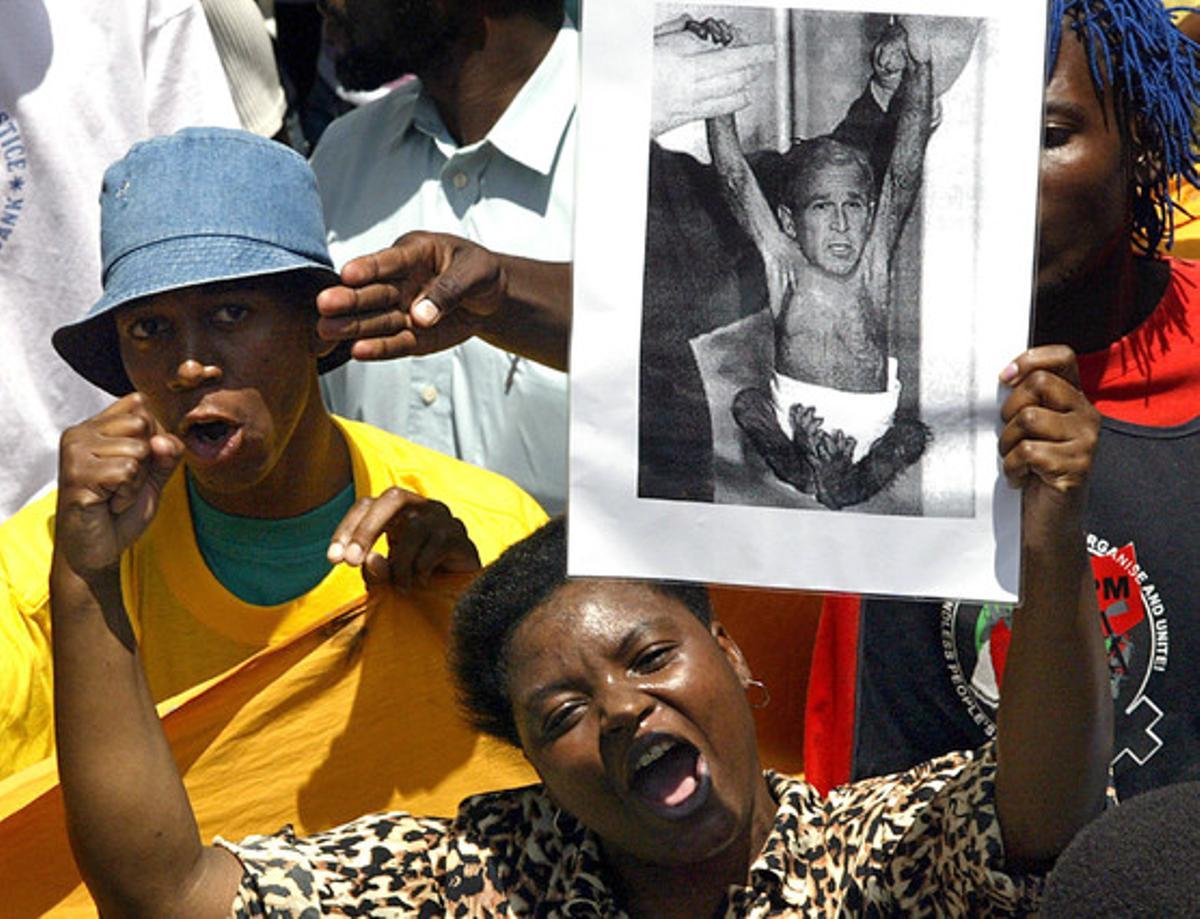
(353,715)
(26,694)
(189,626)
(176,603)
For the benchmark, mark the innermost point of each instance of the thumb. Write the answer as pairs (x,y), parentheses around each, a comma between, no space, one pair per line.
(425,312)
(471,280)
(166,451)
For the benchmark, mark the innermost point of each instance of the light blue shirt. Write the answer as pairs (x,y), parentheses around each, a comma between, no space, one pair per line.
(392,167)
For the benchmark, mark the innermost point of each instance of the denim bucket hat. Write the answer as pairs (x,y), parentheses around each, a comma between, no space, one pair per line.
(198,206)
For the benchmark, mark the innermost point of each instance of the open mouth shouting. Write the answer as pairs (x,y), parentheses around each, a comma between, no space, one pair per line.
(668,774)
(210,438)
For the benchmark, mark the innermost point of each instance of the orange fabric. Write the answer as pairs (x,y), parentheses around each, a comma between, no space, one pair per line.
(353,715)
(829,719)
(775,630)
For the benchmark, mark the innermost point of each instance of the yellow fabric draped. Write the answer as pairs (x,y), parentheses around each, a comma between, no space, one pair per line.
(354,714)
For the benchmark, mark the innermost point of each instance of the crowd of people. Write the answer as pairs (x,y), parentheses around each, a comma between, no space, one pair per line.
(265,412)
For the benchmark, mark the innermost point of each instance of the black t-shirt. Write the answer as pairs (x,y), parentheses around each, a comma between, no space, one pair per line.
(927,675)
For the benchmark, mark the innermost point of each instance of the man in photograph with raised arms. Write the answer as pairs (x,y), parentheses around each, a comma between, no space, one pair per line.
(710,276)
(828,424)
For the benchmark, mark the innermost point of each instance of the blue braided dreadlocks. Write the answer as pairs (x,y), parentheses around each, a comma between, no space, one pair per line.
(1154,74)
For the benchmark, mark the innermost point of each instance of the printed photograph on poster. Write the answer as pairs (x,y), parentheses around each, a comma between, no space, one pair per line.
(816,332)
(810,383)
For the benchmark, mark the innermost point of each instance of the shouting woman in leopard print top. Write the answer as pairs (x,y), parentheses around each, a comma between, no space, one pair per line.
(628,698)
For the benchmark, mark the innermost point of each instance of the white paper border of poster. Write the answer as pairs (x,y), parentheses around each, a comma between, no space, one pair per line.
(613,531)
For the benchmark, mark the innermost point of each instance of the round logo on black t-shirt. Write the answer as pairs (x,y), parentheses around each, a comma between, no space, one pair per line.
(975,641)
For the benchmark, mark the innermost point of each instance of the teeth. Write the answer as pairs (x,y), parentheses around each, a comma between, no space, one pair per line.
(653,754)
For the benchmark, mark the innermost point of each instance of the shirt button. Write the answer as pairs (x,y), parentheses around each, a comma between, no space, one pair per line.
(429,394)
(460,180)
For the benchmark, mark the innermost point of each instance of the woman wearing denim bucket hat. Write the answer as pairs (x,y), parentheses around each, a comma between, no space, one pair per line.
(213,253)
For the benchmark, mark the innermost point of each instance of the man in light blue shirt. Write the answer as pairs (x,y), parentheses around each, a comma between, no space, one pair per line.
(481,146)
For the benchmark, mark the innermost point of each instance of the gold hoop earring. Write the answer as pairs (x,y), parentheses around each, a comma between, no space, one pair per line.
(764,693)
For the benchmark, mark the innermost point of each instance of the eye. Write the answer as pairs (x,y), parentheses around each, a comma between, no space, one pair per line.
(144,328)
(561,719)
(230,313)
(1055,136)
(653,658)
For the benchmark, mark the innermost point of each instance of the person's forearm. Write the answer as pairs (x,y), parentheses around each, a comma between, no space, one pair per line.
(535,320)
(913,103)
(726,149)
(913,106)
(128,817)
(741,191)
(737,180)
(1055,719)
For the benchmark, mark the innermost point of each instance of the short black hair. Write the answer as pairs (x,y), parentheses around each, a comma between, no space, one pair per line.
(819,154)
(488,613)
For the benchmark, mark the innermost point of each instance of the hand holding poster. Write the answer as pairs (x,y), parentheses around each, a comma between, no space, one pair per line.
(807,396)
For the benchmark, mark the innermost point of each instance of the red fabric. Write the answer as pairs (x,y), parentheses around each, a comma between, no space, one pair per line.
(1152,376)
(829,714)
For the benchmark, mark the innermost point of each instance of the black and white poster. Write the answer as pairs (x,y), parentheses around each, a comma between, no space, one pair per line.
(804,251)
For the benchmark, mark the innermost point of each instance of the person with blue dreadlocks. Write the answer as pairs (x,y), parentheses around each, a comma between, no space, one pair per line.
(895,683)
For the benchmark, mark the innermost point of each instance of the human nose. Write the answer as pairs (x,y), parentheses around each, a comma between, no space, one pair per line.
(841,220)
(192,373)
(196,358)
(623,707)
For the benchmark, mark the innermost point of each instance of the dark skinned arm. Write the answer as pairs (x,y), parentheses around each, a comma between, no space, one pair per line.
(130,824)
(430,291)
(1055,724)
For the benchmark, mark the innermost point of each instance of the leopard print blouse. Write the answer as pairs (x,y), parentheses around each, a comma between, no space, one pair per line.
(922,843)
